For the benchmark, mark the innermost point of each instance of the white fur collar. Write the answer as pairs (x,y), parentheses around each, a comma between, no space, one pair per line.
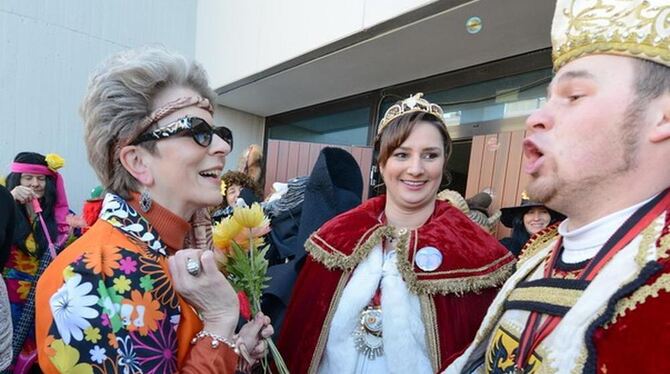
(403,330)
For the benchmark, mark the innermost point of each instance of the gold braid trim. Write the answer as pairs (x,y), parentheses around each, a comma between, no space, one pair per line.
(648,238)
(536,243)
(335,259)
(664,246)
(639,297)
(550,295)
(456,286)
(430,325)
(332,258)
(323,336)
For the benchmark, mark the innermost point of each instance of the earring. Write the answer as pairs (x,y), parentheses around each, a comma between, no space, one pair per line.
(145,201)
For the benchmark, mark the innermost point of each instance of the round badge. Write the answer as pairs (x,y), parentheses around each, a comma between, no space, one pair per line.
(428,258)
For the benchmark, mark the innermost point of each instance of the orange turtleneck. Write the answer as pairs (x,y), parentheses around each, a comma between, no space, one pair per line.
(171,228)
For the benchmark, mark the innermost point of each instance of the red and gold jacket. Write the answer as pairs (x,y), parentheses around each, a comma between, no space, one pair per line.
(620,323)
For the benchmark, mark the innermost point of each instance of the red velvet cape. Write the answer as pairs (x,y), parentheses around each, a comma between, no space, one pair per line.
(458,293)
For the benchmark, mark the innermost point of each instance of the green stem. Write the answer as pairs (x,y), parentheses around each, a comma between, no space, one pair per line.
(274,351)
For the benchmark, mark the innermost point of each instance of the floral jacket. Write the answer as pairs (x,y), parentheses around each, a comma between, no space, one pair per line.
(19,276)
(106,304)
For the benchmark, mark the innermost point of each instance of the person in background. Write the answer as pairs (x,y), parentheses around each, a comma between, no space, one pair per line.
(236,182)
(7,210)
(334,186)
(130,295)
(92,206)
(5,329)
(34,184)
(251,163)
(7,222)
(593,294)
(400,283)
(526,220)
(476,208)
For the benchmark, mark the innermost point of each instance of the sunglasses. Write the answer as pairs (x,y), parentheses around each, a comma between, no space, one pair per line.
(201,132)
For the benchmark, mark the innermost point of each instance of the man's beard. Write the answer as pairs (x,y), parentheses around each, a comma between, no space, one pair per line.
(555,192)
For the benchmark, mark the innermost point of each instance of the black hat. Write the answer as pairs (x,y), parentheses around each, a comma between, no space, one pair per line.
(509,213)
(31,158)
(480,202)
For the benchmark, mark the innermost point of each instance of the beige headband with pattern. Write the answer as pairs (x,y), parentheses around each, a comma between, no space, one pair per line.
(167,109)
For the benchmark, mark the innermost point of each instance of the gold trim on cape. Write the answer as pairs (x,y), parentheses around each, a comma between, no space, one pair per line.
(639,297)
(323,336)
(430,325)
(331,258)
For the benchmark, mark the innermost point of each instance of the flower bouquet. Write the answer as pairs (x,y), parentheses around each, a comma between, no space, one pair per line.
(240,251)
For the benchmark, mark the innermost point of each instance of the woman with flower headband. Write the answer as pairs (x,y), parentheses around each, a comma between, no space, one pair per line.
(34,184)
(140,291)
(401,283)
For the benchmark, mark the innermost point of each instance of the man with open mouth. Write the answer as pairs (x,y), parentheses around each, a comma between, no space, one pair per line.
(593,294)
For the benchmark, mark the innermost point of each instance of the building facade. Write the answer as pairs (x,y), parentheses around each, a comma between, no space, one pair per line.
(322,73)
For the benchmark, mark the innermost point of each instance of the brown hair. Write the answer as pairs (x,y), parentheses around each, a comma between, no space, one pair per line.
(239,178)
(399,129)
(651,80)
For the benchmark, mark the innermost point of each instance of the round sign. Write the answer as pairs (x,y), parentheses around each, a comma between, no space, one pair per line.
(473,25)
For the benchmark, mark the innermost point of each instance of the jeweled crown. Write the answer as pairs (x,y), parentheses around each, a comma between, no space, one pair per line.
(414,103)
(634,28)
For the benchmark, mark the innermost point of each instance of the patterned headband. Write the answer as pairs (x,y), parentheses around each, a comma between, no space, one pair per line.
(167,109)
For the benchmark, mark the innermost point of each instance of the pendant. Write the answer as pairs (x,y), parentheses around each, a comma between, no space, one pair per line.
(368,334)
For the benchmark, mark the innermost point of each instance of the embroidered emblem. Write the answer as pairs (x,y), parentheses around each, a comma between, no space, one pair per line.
(502,352)
(368,334)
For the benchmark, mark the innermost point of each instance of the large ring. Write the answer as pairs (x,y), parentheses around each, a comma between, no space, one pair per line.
(192,266)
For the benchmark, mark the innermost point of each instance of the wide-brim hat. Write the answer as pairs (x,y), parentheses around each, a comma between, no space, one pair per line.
(509,213)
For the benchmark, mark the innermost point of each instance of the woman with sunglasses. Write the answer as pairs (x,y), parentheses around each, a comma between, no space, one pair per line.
(132,294)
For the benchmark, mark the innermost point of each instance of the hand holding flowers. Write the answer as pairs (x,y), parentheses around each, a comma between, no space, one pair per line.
(240,252)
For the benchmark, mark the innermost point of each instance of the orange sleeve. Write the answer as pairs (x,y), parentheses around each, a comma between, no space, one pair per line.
(202,358)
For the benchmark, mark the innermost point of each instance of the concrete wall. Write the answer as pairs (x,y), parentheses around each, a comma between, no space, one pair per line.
(247,129)
(246,37)
(48,48)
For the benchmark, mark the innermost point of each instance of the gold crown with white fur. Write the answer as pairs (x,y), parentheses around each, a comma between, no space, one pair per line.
(414,103)
(634,28)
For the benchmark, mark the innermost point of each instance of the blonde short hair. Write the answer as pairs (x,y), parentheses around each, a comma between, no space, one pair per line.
(120,95)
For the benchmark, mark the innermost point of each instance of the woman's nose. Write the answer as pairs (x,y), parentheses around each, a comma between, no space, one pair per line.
(219,146)
(416,166)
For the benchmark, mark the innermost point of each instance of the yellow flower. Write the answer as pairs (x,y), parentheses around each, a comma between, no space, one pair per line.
(121,284)
(250,217)
(223,187)
(68,272)
(224,232)
(92,334)
(24,289)
(66,358)
(54,161)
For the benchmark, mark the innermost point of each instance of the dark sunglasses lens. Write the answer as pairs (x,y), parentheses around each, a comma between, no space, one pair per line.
(225,134)
(202,132)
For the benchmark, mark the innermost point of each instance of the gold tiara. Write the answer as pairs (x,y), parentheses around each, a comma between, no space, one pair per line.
(414,103)
(634,28)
